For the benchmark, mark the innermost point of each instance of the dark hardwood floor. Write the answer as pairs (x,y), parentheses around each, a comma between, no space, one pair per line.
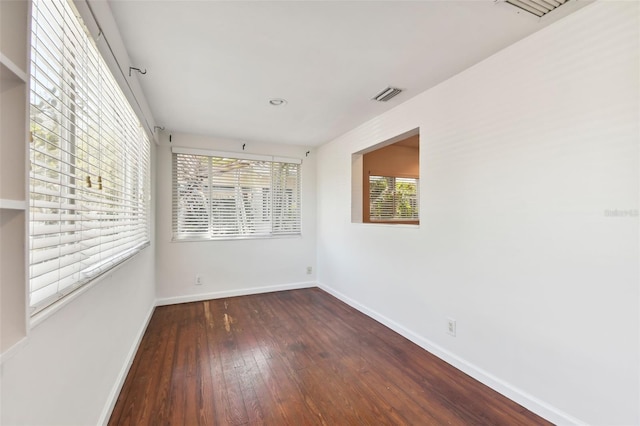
(296,357)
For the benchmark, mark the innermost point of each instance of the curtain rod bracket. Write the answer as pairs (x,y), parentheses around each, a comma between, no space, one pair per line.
(137,69)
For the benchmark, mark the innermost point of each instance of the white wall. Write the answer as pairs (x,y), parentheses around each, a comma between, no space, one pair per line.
(232,267)
(521,157)
(70,367)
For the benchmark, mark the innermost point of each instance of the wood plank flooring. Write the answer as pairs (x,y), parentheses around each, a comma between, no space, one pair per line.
(297,357)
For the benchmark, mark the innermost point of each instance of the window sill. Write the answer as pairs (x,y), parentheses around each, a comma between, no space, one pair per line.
(389,224)
(243,238)
(394,222)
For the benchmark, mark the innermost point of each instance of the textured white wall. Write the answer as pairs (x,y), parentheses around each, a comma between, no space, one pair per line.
(521,158)
(232,267)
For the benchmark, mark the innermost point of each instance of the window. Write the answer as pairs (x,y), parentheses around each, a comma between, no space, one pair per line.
(393,199)
(223,195)
(89,179)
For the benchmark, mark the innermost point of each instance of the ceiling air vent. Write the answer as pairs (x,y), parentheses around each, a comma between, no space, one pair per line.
(387,94)
(537,7)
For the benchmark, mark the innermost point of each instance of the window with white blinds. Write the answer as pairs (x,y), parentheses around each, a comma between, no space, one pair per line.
(90,159)
(220,196)
(393,199)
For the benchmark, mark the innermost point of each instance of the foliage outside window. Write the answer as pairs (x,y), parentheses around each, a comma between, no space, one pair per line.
(90,161)
(393,199)
(219,197)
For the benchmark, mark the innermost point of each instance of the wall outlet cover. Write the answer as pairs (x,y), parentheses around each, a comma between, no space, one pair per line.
(451,326)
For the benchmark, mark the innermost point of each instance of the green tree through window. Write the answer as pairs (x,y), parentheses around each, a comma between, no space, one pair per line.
(393,198)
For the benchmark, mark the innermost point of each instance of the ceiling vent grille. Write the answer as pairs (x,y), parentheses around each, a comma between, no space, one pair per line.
(387,94)
(537,7)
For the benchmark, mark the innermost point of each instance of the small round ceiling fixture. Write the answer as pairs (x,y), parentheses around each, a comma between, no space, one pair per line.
(277,102)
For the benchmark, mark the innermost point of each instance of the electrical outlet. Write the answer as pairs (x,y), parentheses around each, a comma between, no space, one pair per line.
(309,270)
(198,279)
(451,326)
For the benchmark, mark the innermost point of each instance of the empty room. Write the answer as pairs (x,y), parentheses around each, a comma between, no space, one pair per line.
(319,212)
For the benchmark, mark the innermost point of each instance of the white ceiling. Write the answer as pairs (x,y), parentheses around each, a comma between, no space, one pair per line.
(213,66)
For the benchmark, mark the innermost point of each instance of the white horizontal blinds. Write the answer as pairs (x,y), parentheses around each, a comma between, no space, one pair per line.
(286,198)
(240,197)
(89,181)
(224,197)
(191,196)
(393,199)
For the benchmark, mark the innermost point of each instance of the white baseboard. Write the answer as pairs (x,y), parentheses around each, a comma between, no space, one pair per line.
(115,392)
(528,401)
(232,293)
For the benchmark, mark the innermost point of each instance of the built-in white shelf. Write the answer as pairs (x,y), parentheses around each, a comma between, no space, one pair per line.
(10,72)
(12,204)
(14,125)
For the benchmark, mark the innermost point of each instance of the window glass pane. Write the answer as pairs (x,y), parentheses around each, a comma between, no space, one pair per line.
(393,198)
(286,202)
(191,195)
